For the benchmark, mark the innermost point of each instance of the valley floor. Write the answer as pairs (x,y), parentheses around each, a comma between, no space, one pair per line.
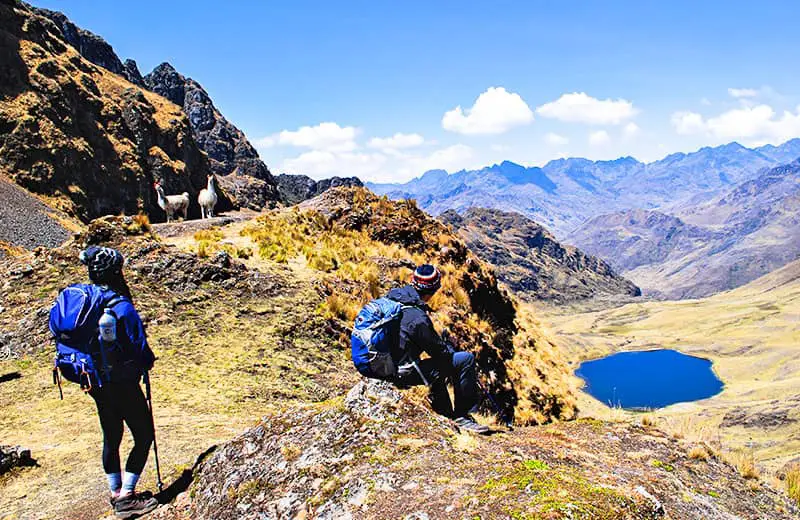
(752,335)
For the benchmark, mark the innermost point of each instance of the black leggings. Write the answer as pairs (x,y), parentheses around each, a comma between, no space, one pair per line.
(118,402)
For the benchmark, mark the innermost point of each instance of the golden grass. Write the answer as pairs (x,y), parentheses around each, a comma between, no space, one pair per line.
(744,462)
(792,483)
(698,452)
(350,263)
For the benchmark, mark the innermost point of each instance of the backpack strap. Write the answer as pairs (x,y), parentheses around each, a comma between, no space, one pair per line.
(114,301)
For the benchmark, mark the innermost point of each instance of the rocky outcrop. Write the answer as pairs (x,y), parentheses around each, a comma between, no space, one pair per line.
(378,454)
(531,261)
(86,139)
(13,457)
(294,189)
(227,147)
(93,47)
(248,192)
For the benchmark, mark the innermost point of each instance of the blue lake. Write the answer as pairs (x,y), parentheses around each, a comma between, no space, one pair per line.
(651,379)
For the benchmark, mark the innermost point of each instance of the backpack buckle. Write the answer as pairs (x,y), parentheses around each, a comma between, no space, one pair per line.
(85,386)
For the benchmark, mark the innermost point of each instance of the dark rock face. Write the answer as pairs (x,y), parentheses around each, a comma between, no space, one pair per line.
(71,131)
(248,192)
(13,457)
(294,189)
(531,261)
(227,147)
(93,47)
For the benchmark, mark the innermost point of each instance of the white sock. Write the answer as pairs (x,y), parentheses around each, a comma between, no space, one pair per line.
(129,481)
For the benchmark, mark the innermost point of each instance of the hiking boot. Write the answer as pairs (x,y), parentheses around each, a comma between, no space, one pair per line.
(469,424)
(134,505)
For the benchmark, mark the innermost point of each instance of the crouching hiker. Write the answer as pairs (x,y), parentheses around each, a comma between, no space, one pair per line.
(101,345)
(391,333)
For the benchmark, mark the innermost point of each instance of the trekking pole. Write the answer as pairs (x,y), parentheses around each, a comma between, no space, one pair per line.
(153,422)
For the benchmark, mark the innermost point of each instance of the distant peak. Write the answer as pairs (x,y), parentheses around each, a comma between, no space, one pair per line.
(165,68)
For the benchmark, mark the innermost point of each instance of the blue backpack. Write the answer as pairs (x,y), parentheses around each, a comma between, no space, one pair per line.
(374,332)
(74,318)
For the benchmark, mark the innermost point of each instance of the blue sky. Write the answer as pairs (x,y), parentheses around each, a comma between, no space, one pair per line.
(372,88)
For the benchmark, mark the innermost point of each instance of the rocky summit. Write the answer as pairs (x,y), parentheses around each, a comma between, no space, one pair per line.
(93,47)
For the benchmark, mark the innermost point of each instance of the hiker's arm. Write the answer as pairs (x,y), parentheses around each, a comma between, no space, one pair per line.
(430,341)
(134,329)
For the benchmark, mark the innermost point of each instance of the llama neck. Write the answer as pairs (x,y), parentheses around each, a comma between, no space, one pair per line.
(210,186)
(162,199)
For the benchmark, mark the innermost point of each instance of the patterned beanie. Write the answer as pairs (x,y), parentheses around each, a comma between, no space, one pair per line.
(102,262)
(426,279)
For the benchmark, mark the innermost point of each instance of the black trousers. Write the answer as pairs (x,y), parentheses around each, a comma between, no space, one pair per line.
(458,369)
(119,403)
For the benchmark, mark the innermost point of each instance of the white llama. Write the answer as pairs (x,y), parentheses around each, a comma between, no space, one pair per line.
(208,198)
(172,204)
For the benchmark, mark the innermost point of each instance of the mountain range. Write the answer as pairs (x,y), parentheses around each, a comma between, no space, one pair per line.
(688,225)
(705,248)
(564,193)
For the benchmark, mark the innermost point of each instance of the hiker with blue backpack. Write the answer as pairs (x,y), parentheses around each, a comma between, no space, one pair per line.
(391,333)
(101,345)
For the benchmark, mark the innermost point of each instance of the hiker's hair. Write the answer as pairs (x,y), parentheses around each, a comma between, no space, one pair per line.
(117,283)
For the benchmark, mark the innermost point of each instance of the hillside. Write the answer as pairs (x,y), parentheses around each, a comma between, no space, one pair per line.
(531,261)
(751,334)
(564,193)
(706,248)
(248,323)
(86,140)
(230,154)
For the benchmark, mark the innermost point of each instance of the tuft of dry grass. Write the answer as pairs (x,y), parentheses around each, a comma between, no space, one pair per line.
(792,483)
(744,462)
(649,420)
(213,234)
(698,452)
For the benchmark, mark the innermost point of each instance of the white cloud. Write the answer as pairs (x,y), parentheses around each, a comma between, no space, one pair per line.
(500,148)
(379,166)
(397,141)
(324,163)
(705,101)
(742,92)
(754,125)
(325,136)
(599,138)
(495,111)
(578,107)
(555,140)
(630,130)
(687,123)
